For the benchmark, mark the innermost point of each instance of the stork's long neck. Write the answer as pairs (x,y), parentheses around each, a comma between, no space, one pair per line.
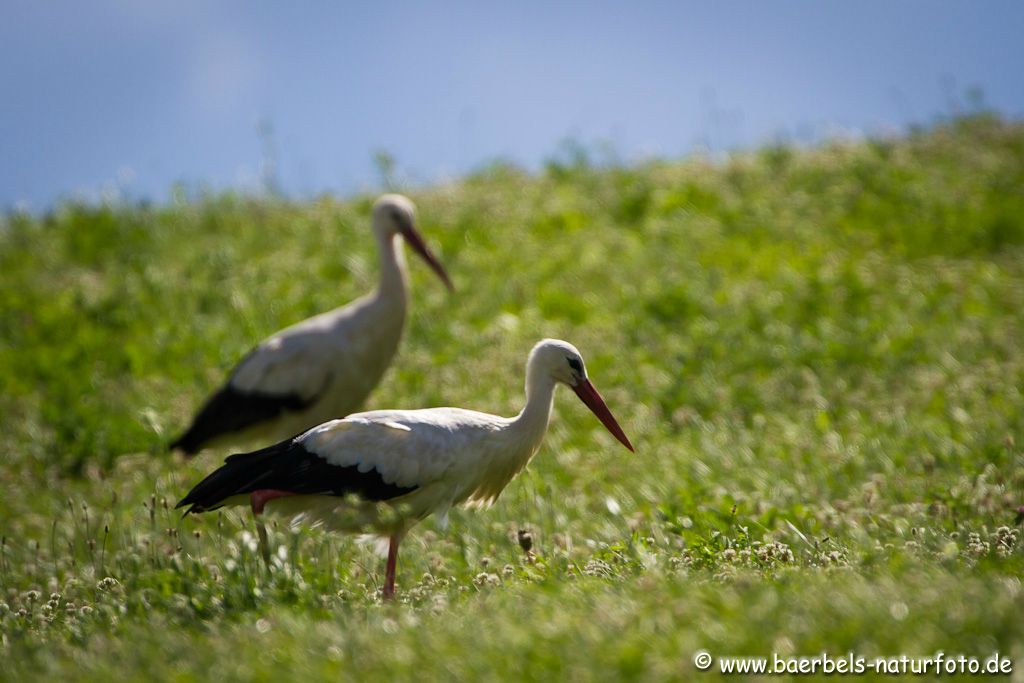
(518,442)
(394,278)
(532,422)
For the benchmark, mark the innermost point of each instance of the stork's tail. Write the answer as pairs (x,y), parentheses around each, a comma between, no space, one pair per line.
(287,466)
(188,443)
(240,474)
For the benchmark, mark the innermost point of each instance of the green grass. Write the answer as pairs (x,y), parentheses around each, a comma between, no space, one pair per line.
(819,355)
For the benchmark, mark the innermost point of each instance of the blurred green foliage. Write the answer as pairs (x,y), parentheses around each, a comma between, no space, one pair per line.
(817,352)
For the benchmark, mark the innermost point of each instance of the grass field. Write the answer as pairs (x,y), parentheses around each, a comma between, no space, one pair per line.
(819,355)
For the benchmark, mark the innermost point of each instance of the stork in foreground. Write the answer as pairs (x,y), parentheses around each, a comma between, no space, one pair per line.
(323,367)
(383,471)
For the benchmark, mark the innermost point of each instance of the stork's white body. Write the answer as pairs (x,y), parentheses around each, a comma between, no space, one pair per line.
(332,361)
(450,455)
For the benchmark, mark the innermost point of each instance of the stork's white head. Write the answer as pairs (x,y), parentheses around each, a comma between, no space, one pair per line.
(559,359)
(562,362)
(395,214)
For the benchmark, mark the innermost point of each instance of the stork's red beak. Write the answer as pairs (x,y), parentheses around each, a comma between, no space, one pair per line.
(418,244)
(588,394)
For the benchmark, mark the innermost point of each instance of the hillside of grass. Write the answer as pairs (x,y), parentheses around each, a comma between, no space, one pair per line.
(817,353)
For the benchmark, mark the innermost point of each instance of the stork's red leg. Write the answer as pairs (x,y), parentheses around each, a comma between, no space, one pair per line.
(260,497)
(389,577)
(257,499)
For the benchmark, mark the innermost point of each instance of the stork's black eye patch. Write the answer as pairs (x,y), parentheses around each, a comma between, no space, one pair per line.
(575,364)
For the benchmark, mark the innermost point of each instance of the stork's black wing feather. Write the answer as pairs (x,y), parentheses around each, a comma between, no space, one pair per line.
(288,466)
(232,410)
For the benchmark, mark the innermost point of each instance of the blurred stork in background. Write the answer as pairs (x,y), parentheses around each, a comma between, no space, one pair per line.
(324,367)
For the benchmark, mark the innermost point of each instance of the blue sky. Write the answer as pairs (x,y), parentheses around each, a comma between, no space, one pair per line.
(133,96)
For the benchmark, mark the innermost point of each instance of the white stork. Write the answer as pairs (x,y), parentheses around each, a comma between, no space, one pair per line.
(323,367)
(383,471)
